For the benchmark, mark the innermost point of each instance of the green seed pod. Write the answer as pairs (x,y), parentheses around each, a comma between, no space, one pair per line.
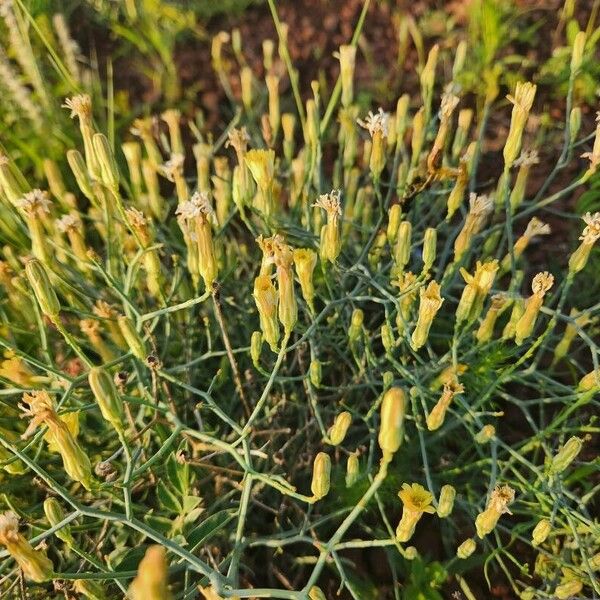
(321,478)
(55,514)
(429,248)
(540,532)
(315,372)
(466,548)
(352,469)
(109,172)
(42,288)
(387,337)
(393,409)
(566,455)
(106,395)
(446,501)
(255,346)
(337,432)
(134,341)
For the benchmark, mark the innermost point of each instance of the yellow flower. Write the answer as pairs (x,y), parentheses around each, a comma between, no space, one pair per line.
(330,232)
(151,582)
(430,303)
(416,501)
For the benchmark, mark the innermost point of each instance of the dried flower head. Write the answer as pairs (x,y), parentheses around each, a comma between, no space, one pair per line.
(376,122)
(198,205)
(330,203)
(38,406)
(70,222)
(448,104)
(143,127)
(591,233)
(536,227)
(500,498)
(541,283)
(527,159)
(524,96)
(9,528)
(104,310)
(480,205)
(173,167)
(36,203)
(79,105)
(238,139)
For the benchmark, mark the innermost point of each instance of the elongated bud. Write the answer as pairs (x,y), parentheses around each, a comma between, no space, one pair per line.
(272,81)
(541,532)
(446,501)
(265,297)
(524,327)
(356,324)
(337,432)
(388,380)
(36,566)
(394,216)
(466,548)
(577,54)
(568,589)
(151,582)
(305,261)
(55,514)
(387,337)
(255,346)
(391,426)
(246,86)
(403,245)
(134,341)
(347,62)
(429,248)
(321,478)
(79,169)
(109,172)
(42,288)
(522,102)
(589,381)
(315,372)
(430,303)
(566,455)
(288,124)
(352,470)
(574,123)
(107,396)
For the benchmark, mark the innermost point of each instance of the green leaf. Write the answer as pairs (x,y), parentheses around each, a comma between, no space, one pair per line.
(208,528)
(167,498)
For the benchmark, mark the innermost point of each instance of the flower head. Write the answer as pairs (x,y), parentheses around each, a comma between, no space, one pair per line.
(70,222)
(536,227)
(500,498)
(591,233)
(448,104)
(39,407)
(238,139)
(527,159)
(330,203)
(173,167)
(79,105)
(143,127)
(376,122)
(541,283)
(524,96)
(480,205)
(416,498)
(36,203)
(198,205)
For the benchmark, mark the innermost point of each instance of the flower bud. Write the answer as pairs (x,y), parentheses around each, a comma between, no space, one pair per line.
(566,455)
(394,216)
(315,372)
(540,532)
(568,589)
(106,395)
(246,86)
(403,244)
(430,303)
(446,501)
(109,172)
(288,124)
(265,297)
(391,426)
(151,581)
(387,338)
(486,434)
(36,566)
(79,169)
(272,81)
(90,589)
(466,548)
(42,288)
(577,54)
(429,248)
(347,62)
(352,469)
(135,343)
(356,325)
(321,476)
(337,432)
(55,514)
(574,123)
(305,261)
(589,382)
(315,593)
(255,346)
